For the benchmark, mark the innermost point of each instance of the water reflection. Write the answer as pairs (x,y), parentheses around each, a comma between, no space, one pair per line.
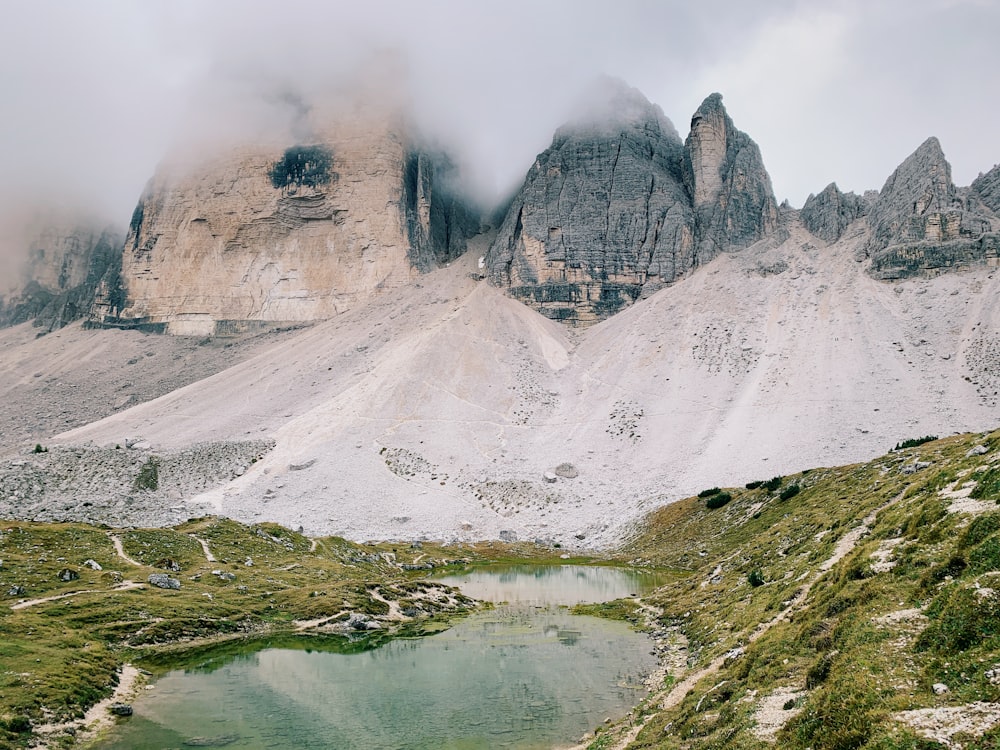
(553,584)
(517,676)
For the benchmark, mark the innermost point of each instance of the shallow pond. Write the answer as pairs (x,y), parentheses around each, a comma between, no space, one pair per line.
(519,676)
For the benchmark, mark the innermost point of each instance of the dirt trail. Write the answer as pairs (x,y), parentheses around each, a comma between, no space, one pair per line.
(123,586)
(120,550)
(209,557)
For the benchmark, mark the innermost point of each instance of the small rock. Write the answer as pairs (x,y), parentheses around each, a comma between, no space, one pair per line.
(508,536)
(163,581)
(93,564)
(549,477)
(939,688)
(567,470)
(68,574)
(248,562)
(979,450)
(16,591)
(168,564)
(121,709)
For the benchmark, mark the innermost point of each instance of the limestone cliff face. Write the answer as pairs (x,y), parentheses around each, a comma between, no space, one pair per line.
(733,200)
(279,234)
(618,206)
(63,262)
(922,224)
(828,214)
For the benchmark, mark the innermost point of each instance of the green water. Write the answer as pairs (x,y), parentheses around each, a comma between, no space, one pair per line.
(520,676)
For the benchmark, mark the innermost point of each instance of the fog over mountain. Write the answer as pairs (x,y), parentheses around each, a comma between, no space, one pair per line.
(96,94)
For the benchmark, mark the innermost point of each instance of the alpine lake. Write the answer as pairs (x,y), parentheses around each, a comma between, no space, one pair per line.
(524,674)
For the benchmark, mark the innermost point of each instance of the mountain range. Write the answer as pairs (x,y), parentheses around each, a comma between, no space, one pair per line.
(642,319)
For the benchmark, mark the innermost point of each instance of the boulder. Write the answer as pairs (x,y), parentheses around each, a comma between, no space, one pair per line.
(68,574)
(163,581)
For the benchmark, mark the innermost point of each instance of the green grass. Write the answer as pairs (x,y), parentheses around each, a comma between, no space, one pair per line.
(856,671)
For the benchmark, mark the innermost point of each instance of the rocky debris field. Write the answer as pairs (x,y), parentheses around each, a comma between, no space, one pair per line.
(125,485)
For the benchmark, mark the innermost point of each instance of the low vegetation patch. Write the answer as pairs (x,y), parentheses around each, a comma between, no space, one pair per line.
(914,442)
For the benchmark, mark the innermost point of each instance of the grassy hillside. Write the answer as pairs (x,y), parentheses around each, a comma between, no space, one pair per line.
(62,642)
(833,609)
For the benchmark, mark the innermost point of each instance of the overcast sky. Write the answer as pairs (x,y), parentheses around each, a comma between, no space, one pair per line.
(94,93)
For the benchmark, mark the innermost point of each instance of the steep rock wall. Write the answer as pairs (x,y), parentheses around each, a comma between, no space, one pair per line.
(922,224)
(618,207)
(63,262)
(272,235)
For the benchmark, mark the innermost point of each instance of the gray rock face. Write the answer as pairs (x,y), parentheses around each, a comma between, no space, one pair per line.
(920,223)
(986,188)
(733,200)
(618,207)
(63,267)
(828,214)
(602,212)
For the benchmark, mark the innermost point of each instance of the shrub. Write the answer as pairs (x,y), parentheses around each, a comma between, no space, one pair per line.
(773,483)
(789,492)
(914,442)
(717,501)
(302,166)
(754,485)
(709,492)
(40,449)
(819,671)
(756,578)
(149,475)
(18,725)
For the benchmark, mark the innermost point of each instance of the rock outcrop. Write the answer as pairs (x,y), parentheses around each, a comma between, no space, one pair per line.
(618,207)
(921,223)
(733,200)
(63,262)
(828,214)
(271,235)
(986,189)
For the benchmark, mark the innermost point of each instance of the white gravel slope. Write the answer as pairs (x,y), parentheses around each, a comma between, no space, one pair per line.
(438,410)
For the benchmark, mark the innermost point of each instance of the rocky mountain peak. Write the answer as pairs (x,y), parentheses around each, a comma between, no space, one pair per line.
(617,207)
(830,212)
(920,224)
(724,173)
(610,106)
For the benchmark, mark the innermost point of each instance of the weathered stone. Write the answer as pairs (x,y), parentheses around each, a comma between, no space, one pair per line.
(93,564)
(549,477)
(828,214)
(163,581)
(921,225)
(508,536)
(168,564)
(68,574)
(567,470)
(734,203)
(121,709)
(64,261)
(16,591)
(223,247)
(601,214)
(986,188)
(617,207)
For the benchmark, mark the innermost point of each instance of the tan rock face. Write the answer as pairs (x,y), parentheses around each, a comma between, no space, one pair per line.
(219,248)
